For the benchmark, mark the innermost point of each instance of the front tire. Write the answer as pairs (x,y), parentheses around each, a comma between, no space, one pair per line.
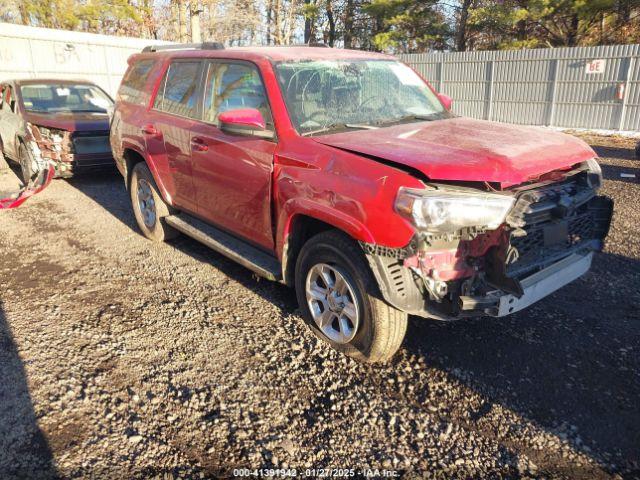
(26,164)
(148,205)
(340,300)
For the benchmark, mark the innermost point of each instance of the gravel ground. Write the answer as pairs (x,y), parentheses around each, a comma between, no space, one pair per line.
(124,359)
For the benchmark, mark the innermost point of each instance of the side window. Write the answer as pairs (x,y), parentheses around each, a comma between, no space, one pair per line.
(179,88)
(132,86)
(229,86)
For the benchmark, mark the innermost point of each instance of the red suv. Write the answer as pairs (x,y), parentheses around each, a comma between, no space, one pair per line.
(344,174)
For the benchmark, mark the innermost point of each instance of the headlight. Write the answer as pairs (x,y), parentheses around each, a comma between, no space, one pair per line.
(442,211)
(595,173)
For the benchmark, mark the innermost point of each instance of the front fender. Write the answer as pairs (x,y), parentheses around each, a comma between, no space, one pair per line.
(307,207)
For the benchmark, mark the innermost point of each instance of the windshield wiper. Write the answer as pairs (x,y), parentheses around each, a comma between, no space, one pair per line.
(340,126)
(410,118)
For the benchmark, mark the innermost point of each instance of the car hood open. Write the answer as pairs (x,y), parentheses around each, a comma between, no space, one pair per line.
(464,149)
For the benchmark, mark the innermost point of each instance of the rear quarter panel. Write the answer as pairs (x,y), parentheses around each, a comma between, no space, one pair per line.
(126,128)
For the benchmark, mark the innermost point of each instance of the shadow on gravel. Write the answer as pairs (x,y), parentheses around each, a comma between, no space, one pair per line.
(615,152)
(571,363)
(24,451)
(614,172)
(107,189)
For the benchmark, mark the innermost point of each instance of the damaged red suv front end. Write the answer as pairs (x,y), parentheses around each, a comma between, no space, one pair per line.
(534,238)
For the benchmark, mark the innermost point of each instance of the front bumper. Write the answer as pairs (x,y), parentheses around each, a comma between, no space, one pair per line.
(528,263)
(535,287)
(75,164)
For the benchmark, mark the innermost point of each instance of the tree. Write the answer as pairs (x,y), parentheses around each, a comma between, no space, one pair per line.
(408,25)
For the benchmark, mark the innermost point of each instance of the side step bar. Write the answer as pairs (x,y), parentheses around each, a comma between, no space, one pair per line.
(237,250)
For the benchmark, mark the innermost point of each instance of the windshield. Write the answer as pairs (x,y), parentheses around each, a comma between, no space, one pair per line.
(324,96)
(66,97)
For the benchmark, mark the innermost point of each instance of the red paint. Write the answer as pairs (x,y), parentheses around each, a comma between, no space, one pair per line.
(256,187)
(43,180)
(249,117)
(232,182)
(465,149)
(446,100)
(453,264)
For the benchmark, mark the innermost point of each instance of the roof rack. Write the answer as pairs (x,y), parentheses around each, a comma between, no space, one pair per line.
(311,44)
(185,46)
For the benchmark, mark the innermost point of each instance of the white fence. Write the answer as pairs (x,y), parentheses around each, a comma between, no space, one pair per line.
(584,87)
(28,52)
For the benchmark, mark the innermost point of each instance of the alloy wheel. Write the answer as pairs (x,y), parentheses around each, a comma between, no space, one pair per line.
(146,203)
(332,302)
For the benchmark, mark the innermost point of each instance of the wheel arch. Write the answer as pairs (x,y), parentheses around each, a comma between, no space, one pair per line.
(133,156)
(302,226)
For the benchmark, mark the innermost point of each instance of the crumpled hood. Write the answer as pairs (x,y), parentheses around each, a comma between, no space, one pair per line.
(464,149)
(73,122)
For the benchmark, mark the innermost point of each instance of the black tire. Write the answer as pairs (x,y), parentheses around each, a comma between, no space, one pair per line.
(381,327)
(25,161)
(156,230)
(638,150)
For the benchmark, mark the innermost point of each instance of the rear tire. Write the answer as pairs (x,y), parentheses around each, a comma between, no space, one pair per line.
(376,331)
(148,205)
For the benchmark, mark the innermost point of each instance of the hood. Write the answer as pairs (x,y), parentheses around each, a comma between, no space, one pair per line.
(73,122)
(464,149)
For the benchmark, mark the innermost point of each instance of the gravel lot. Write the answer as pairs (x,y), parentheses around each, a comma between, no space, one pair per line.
(124,359)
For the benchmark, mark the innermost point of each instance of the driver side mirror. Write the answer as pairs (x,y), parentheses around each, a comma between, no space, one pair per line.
(446,100)
(246,122)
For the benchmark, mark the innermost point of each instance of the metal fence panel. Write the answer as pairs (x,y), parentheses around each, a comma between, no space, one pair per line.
(551,87)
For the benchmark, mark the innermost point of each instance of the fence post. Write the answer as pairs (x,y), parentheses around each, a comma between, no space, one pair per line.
(489,107)
(554,85)
(33,63)
(627,78)
(108,70)
(440,76)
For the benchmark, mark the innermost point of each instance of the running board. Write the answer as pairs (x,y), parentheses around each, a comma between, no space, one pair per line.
(237,250)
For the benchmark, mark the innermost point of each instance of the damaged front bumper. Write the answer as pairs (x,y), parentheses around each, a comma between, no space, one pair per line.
(70,152)
(534,287)
(548,241)
(39,182)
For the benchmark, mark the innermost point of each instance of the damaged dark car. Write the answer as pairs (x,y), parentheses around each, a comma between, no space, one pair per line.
(63,123)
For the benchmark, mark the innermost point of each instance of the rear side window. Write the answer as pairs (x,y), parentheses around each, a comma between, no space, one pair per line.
(178,91)
(132,87)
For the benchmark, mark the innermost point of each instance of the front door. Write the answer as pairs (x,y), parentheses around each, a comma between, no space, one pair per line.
(232,173)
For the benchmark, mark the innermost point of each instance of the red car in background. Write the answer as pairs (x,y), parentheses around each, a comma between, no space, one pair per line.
(64,122)
(345,175)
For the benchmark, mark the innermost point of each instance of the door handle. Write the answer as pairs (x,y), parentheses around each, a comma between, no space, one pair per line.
(149,130)
(199,144)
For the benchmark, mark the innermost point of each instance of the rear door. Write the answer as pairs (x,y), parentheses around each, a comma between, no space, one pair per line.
(174,110)
(232,173)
